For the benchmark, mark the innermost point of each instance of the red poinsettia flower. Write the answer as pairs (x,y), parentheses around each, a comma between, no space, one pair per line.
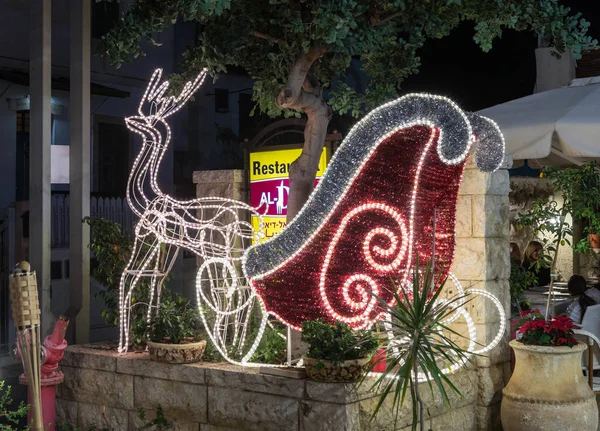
(536,330)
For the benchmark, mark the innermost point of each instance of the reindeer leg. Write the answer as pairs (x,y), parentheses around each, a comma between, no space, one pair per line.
(124,311)
(140,261)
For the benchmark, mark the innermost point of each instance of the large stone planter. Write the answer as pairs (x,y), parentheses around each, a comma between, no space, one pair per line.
(177,353)
(548,391)
(325,371)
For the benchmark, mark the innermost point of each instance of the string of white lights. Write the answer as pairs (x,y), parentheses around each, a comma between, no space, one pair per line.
(399,343)
(216,229)
(219,232)
(368,299)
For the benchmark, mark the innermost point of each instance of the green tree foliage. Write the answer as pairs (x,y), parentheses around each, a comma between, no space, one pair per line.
(295,49)
(10,417)
(266,38)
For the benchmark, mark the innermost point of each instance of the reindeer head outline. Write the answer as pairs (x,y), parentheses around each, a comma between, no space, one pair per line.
(155,107)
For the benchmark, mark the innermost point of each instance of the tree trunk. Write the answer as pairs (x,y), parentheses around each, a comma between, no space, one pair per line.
(302,92)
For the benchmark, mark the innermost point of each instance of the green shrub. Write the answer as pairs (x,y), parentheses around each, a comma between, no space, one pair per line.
(272,348)
(175,321)
(520,279)
(112,250)
(10,419)
(338,342)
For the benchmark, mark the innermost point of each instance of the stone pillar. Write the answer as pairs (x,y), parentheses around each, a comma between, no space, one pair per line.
(39,165)
(228,183)
(79,170)
(482,262)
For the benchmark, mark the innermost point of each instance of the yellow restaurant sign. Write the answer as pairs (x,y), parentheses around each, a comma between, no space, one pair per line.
(275,164)
(269,185)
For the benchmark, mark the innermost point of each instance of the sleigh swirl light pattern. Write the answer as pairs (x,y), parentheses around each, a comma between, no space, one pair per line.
(368,221)
(371,216)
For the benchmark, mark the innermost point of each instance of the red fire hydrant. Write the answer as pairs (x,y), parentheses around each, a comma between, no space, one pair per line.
(54,349)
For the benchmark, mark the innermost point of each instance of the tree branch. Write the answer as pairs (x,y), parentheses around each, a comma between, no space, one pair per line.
(289,95)
(311,84)
(269,38)
(388,18)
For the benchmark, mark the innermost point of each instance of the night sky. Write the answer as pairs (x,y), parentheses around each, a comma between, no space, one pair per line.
(456,67)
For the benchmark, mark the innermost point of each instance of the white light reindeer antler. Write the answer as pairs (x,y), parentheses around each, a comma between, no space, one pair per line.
(160,106)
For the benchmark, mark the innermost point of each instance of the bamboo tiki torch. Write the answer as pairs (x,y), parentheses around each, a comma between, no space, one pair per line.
(26,315)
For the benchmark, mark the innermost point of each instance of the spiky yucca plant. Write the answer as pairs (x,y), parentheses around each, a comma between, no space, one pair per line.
(421,343)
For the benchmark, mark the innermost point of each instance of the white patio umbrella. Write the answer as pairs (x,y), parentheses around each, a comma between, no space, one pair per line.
(560,126)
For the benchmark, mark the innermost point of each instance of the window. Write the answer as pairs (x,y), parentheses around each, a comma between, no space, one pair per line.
(104,16)
(25,221)
(113,167)
(221,100)
(23,122)
(56,270)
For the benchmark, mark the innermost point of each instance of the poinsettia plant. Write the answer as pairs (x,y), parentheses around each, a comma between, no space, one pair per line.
(534,329)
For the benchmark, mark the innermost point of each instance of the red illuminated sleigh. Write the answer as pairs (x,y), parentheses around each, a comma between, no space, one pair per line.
(371,216)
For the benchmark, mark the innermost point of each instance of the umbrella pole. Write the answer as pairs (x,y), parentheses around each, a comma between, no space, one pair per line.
(553,266)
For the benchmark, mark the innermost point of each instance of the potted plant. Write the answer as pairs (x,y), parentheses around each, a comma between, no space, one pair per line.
(588,202)
(548,220)
(422,344)
(547,390)
(580,188)
(172,332)
(336,353)
(379,359)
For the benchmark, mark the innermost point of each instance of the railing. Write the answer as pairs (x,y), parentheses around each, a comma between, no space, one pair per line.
(588,65)
(114,209)
(7,223)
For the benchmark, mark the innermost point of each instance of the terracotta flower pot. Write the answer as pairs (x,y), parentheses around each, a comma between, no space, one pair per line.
(177,353)
(548,391)
(326,371)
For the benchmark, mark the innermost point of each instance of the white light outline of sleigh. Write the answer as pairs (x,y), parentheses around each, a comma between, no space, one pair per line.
(457,133)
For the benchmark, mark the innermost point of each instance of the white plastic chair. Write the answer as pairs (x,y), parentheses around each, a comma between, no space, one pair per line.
(590,334)
(561,308)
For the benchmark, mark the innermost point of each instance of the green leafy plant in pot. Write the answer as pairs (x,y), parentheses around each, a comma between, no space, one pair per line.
(588,205)
(580,188)
(336,353)
(419,343)
(172,331)
(548,221)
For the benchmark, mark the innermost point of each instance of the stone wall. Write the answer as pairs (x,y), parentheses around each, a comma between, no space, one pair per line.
(104,389)
(481,261)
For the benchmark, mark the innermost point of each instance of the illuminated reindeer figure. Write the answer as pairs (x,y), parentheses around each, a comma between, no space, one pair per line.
(215,229)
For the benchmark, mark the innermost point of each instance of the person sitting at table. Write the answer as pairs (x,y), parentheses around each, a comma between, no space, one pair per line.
(515,254)
(532,262)
(584,298)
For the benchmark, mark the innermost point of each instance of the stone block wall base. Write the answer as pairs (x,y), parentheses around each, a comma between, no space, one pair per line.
(104,389)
